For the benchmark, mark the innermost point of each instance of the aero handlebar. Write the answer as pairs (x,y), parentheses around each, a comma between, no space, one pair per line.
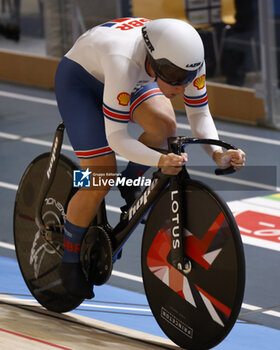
(176,145)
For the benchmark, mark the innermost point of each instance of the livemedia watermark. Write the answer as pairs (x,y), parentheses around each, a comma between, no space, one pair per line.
(88,179)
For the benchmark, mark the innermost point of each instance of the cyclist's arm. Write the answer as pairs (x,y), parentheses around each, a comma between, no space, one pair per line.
(198,113)
(202,126)
(121,142)
(121,76)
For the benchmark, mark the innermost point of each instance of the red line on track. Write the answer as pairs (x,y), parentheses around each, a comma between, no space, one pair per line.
(34,339)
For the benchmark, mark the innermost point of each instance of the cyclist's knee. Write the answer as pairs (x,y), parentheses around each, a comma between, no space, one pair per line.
(103,173)
(101,185)
(163,125)
(168,127)
(157,134)
(156,116)
(100,191)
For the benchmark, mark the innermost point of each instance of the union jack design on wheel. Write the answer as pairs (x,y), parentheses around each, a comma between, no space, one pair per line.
(204,252)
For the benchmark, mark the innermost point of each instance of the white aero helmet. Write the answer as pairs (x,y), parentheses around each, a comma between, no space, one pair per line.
(175,50)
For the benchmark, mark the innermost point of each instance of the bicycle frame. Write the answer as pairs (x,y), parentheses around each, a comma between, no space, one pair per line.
(142,204)
(148,197)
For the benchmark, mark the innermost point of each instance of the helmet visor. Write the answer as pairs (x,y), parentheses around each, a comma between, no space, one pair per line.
(171,74)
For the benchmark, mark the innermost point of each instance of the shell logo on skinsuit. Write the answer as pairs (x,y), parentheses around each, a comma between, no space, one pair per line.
(123,98)
(199,82)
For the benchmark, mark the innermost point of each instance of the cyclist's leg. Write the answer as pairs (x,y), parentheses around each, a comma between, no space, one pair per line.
(79,97)
(81,210)
(84,204)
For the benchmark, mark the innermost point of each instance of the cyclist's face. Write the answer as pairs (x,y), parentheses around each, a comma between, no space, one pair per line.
(170,91)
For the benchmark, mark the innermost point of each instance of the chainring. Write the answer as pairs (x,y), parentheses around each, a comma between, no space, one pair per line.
(97,255)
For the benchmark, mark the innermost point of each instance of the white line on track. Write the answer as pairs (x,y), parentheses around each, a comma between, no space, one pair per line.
(39,142)
(28,98)
(128,276)
(250,307)
(8,185)
(125,308)
(93,305)
(261,243)
(7,246)
(261,310)
(236,181)
(180,125)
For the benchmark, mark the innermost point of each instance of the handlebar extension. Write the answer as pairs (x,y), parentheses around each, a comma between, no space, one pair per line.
(176,144)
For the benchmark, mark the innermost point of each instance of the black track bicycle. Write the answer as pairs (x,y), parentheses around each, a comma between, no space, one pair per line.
(192,255)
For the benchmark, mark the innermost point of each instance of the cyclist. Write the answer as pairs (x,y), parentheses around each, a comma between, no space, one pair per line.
(120,71)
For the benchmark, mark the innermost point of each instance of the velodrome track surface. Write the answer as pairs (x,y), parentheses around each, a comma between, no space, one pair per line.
(28,118)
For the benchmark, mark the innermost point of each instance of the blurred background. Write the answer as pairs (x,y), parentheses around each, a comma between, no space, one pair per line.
(241,38)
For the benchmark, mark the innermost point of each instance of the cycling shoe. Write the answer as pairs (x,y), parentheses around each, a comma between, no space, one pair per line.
(74,280)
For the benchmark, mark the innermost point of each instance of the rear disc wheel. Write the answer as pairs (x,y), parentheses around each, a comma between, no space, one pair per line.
(39,260)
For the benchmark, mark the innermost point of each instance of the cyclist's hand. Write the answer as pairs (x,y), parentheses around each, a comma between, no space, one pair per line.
(236,158)
(171,164)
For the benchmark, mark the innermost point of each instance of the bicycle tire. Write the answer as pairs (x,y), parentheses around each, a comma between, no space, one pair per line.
(197,311)
(37,259)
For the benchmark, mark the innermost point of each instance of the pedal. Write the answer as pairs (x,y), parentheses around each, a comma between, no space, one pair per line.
(119,254)
(97,256)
